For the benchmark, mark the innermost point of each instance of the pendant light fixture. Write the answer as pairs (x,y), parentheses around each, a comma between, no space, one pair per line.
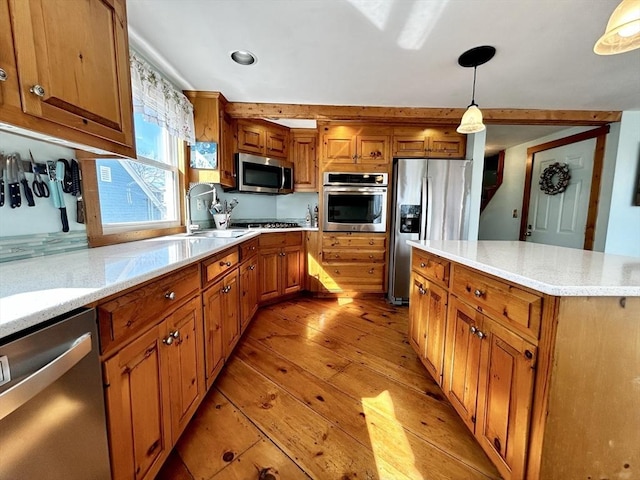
(623,30)
(472,119)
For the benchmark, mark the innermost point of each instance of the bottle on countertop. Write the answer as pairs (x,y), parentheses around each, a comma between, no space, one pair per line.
(315,216)
(307,219)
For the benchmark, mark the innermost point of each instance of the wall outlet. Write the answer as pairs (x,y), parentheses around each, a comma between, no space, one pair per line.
(200,204)
(515,213)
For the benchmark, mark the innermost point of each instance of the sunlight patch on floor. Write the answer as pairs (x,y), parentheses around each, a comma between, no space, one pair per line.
(388,439)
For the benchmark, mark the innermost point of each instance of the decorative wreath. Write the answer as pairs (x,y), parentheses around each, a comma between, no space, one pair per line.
(555,178)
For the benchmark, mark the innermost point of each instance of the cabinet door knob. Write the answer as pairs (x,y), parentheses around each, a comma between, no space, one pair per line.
(3,75)
(478,293)
(473,329)
(480,334)
(421,290)
(252,267)
(37,90)
(170,295)
(225,264)
(168,340)
(496,443)
(422,264)
(370,271)
(175,334)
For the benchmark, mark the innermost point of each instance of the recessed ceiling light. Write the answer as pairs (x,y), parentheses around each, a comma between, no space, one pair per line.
(243,57)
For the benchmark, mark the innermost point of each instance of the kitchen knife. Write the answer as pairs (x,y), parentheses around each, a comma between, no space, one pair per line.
(77,190)
(14,186)
(2,160)
(23,180)
(60,196)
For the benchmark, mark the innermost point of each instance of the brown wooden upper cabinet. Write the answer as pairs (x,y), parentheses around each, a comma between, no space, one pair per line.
(409,142)
(65,71)
(303,154)
(263,138)
(365,146)
(213,124)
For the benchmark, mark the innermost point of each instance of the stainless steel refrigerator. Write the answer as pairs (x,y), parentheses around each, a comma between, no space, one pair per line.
(430,202)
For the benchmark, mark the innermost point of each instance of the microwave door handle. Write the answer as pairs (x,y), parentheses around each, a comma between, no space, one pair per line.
(424,205)
(282,179)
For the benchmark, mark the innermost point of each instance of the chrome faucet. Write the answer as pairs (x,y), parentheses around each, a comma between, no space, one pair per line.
(190,226)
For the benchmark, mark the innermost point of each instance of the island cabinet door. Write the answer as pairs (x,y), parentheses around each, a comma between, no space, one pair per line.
(231,311)
(184,350)
(137,393)
(418,310)
(213,340)
(505,393)
(462,359)
(434,331)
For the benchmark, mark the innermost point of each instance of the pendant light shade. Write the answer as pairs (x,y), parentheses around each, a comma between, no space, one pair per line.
(472,119)
(623,30)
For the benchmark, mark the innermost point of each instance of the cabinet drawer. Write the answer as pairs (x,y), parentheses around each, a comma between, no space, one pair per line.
(347,240)
(129,313)
(280,239)
(361,278)
(352,255)
(248,249)
(433,267)
(218,265)
(509,304)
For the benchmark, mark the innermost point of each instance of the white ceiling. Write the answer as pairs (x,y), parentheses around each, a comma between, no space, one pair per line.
(390,52)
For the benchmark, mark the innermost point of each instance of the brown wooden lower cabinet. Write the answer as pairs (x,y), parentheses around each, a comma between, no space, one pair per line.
(153,387)
(281,265)
(248,291)
(531,374)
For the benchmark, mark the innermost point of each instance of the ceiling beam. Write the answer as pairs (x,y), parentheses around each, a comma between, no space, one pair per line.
(436,116)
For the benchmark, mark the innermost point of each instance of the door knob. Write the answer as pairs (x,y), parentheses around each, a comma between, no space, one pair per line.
(37,90)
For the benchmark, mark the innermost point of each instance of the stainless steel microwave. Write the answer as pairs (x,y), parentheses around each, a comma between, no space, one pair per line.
(355,202)
(263,174)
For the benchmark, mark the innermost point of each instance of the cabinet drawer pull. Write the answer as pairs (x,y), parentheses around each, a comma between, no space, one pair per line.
(170,295)
(478,293)
(337,271)
(371,256)
(37,90)
(371,271)
(225,264)
(370,241)
(422,264)
(3,75)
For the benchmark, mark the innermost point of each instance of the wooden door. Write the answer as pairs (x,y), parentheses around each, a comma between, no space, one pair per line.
(410,146)
(137,396)
(277,143)
(227,149)
(434,330)
(9,85)
(418,311)
(373,149)
(251,138)
(561,219)
(74,64)
(269,266)
(231,311)
(303,156)
(185,364)
(248,291)
(214,345)
(292,265)
(339,147)
(505,396)
(462,362)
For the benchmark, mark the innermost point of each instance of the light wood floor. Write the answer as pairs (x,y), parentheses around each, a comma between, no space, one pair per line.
(327,390)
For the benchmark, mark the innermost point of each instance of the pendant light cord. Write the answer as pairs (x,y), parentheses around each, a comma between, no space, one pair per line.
(473,93)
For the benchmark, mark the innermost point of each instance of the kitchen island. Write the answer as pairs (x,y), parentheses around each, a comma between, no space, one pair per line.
(538,349)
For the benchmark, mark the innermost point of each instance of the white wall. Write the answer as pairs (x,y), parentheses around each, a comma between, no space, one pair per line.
(44,217)
(475,151)
(623,232)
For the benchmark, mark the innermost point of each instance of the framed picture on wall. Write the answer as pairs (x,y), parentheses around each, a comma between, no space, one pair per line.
(204,155)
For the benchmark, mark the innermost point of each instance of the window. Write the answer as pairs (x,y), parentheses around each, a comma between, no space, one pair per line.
(141,193)
(140,197)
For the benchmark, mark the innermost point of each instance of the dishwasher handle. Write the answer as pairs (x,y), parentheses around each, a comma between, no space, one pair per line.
(25,390)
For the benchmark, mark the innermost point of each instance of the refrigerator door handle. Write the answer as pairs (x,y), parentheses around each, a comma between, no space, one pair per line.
(424,205)
(429,181)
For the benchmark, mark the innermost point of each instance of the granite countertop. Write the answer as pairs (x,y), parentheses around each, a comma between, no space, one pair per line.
(552,270)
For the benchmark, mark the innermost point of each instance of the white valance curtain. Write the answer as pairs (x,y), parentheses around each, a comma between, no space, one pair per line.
(159,101)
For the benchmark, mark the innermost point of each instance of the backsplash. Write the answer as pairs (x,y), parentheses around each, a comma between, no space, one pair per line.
(39,244)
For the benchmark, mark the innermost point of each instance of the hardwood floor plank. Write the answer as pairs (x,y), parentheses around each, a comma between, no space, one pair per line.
(216,435)
(371,421)
(321,449)
(261,462)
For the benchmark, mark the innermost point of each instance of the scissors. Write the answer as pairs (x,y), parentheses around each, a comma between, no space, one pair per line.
(40,188)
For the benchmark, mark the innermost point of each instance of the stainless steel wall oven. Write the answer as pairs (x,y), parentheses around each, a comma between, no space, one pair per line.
(355,202)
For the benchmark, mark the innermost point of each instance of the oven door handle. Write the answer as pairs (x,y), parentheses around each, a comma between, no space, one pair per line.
(35,383)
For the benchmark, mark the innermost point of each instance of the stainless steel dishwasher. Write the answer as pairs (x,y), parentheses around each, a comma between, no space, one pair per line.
(52,415)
